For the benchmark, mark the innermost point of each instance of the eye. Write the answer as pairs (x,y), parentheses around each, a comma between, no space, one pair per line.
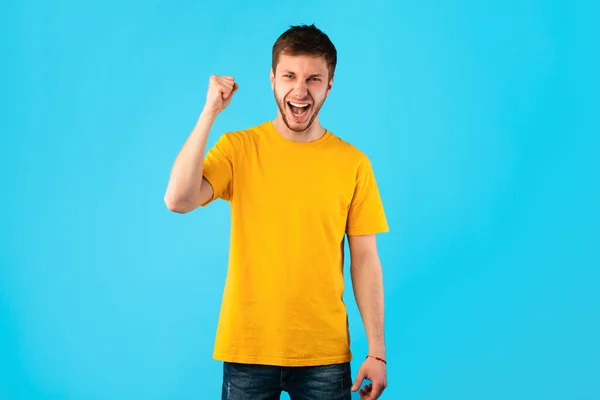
(314,78)
(289,76)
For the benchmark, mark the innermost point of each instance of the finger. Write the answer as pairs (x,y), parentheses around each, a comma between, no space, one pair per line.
(231,91)
(217,87)
(225,87)
(359,378)
(219,83)
(225,82)
(376,390)
(217,77)
(225,91)
(364,392)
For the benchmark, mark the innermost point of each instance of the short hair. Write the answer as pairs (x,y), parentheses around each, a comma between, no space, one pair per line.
(305,40)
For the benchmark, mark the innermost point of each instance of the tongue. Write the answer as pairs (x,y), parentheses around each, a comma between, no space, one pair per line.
(298,110)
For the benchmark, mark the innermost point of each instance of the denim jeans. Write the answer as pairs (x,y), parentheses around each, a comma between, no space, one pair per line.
(264,382)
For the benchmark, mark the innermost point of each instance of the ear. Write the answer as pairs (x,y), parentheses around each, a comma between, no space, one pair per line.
(272,79)
(330,85)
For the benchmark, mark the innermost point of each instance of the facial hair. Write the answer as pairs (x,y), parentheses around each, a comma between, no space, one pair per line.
(283,107)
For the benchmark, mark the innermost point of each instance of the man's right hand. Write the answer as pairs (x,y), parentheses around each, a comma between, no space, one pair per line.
(220,92)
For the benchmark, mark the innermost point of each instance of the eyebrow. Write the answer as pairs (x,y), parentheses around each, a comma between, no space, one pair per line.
(285,71)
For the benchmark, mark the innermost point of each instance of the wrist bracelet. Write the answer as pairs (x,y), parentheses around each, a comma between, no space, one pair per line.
(378,359)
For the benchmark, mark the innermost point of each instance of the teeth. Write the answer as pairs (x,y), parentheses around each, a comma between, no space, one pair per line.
(298,104)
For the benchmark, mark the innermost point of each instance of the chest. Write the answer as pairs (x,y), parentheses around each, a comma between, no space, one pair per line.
(314,183)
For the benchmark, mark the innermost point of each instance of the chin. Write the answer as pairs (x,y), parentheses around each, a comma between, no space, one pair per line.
(298,126)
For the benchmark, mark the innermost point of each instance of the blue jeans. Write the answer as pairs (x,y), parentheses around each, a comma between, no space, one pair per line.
(264,382)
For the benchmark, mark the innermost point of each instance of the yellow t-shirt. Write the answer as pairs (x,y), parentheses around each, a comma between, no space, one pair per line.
(291,205)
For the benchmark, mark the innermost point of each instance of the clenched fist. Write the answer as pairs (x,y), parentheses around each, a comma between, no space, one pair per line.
(220,91)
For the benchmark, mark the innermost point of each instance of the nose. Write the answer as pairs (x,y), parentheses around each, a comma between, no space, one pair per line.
(300,89)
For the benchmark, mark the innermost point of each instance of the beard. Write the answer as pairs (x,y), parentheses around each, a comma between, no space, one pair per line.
(298,127)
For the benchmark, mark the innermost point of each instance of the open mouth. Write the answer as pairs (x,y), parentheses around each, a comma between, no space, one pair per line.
(298,109)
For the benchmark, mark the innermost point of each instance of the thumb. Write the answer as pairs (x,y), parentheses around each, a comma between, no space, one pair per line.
(227,94)
(359,379)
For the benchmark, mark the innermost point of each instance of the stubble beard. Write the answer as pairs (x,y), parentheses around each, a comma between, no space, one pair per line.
(282,105)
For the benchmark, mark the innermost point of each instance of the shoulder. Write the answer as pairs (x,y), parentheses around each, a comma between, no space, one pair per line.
(243,136)
(240,139)
(349,151)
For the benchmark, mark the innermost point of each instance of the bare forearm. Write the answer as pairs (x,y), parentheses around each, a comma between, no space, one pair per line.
(367,282)
(186,174)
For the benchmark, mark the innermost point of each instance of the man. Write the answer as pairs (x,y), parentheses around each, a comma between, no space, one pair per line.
(295,191)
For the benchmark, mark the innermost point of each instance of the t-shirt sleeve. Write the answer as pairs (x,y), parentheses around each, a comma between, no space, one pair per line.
(366,214)
(218,169)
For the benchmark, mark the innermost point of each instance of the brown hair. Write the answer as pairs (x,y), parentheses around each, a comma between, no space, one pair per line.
(305,40)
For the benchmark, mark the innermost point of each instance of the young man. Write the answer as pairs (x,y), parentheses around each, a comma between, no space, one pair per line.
(295,191)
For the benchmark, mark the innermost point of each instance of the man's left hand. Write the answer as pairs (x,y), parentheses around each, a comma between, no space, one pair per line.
(375,371)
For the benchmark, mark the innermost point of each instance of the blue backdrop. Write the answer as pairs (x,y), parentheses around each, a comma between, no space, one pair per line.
(481,119)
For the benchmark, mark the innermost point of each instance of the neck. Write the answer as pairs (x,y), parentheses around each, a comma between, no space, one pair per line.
(314,132)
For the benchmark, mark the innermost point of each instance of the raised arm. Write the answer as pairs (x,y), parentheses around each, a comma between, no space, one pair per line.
(187,188)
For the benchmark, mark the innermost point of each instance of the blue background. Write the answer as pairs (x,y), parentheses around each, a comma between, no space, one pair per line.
(481,119)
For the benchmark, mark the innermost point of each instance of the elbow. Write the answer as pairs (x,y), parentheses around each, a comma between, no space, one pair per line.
(177,205)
